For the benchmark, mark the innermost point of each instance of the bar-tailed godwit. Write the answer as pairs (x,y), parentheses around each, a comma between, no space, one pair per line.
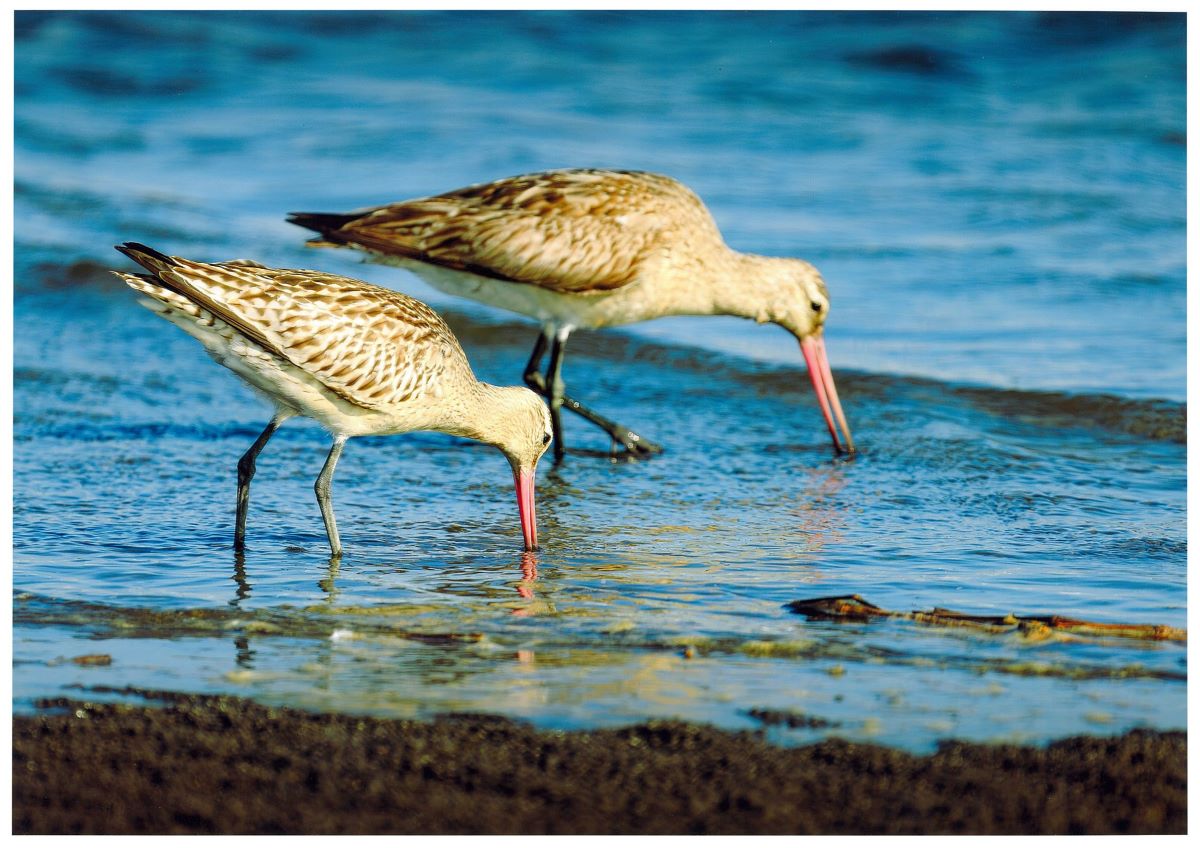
(359,359)
(590,248)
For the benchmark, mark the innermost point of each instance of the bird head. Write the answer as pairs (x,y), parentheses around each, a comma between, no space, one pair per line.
(797,299)
(793,295)
(522,432)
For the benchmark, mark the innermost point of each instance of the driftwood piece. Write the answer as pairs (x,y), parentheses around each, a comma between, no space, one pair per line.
(857,608)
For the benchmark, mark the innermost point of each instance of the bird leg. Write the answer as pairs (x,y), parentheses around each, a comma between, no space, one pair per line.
(556,386)
(323,487)
(635,445)
(246,467)
(533,376)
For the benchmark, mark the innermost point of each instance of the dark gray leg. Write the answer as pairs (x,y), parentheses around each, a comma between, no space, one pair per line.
(533,374)
(635,445)
(246,466)
(323,487)
(554,390)
(554,383)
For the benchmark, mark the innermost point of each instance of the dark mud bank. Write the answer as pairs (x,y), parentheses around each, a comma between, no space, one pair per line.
(224,765)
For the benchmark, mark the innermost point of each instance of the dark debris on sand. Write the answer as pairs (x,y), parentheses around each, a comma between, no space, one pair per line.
(224,765)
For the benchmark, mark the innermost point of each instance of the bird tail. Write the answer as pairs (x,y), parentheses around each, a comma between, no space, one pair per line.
(325,223)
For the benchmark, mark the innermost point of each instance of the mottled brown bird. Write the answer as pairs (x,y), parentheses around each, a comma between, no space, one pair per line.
(359,359)
(590,248)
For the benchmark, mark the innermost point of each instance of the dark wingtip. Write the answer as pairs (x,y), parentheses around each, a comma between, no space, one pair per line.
(320,222)
(135,250)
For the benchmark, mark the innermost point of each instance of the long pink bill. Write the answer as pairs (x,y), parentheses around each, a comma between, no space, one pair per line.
(525,505)
(813,348)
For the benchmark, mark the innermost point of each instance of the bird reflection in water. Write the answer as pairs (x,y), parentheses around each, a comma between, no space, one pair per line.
(241,642)
(525,588)
(243,655)
(239,577)
(529,564)
(820,517)
(328,584)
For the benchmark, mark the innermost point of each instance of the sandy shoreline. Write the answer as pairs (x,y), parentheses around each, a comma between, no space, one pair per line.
(225,765)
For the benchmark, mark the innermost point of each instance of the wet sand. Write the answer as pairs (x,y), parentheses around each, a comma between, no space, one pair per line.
(225,765)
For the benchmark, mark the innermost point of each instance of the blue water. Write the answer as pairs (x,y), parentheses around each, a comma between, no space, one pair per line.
(996,201)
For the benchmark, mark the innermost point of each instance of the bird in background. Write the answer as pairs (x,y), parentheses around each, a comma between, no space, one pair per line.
(590,248)
(359,359)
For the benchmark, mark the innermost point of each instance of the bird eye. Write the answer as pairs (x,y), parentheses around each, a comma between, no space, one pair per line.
(816,306)
(546,439)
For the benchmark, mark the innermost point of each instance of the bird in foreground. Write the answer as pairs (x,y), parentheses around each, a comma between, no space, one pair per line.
(590,248)
(359,359)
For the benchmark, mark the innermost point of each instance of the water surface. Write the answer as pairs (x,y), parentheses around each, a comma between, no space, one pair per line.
(996,201)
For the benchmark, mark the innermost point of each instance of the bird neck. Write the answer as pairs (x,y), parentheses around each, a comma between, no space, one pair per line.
(747,285)
(484,413)
(466,414)
(696,282)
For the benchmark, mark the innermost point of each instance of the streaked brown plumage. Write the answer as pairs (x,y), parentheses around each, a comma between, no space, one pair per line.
(359,359)
(572,232)
(590,248)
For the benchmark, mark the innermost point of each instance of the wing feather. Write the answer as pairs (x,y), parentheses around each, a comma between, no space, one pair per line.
(373,347)
(572,231)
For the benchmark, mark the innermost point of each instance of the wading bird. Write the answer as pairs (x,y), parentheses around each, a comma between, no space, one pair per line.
(358,359)
(590,248)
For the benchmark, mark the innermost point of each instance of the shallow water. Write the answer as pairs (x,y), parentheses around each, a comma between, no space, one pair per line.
(999,212)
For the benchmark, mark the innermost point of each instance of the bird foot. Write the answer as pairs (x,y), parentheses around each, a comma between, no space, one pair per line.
(635,446)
